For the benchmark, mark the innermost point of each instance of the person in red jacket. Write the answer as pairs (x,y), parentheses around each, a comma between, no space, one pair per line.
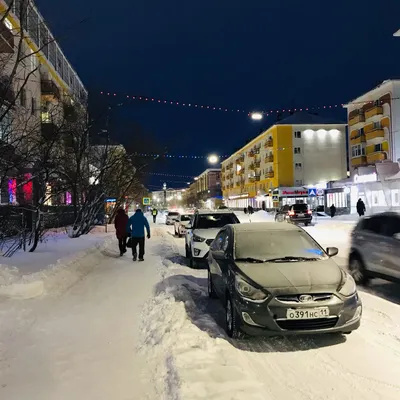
(121,223)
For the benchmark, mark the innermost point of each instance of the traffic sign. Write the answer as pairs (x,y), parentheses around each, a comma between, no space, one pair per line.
(312,192)
(320,192)
(146,201)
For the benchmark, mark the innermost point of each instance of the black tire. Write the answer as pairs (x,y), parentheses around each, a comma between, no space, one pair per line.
(187,252)
(232,321)
(306,223)
(192,262)
(357,270)
(210,287)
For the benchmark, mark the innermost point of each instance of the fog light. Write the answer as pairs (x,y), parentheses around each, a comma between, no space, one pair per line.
(196,252)
(246,318)
(357,314)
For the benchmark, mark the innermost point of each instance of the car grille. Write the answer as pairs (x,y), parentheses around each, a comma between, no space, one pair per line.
(296,298)
(307,324)
(209,241)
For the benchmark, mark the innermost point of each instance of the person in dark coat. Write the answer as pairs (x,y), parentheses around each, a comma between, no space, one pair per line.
(333,210)
(251,210)
(154,213)
(360,208)
(121,221)
(136,225)
(245,210)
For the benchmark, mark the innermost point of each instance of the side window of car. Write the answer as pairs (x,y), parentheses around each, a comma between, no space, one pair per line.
(391,227)
(218,242)
(373,225)
(225,243)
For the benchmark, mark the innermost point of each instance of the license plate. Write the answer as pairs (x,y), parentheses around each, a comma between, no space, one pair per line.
(307,313)
(300,215)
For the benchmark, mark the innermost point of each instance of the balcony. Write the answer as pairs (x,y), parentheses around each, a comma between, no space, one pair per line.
(240,160)
(241,172)
(270,174)
(375,111)
(376,157)
(357,119)
(49,89)
(375,134)
(362,160)
(257,164)
(257,178)
(252,167)
(356,139)
(269,143)
(252,178)
(252,154)
(269,158)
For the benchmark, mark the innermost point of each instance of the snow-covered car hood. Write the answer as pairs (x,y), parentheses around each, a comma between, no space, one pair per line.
(207,233)
(322,276)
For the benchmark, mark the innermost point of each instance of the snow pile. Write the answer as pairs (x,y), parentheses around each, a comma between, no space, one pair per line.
(56,266)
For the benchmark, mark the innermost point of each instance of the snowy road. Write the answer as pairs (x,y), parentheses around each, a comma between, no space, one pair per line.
(132,331)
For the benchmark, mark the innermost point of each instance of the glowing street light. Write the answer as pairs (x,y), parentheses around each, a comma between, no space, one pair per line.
(397,34)
(256,116)
(213,159)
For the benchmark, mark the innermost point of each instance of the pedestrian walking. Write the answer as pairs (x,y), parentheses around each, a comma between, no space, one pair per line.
(136,225)
(154,213)
(251,210)
(245,210)
(333,210)
(360,207)
(120,223)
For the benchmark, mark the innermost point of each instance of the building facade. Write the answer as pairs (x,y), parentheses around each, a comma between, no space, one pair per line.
(279,166)
(208,188)
(43,86)
(374,152)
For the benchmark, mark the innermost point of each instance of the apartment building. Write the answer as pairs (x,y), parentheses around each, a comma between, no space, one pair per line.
(37,77)
(286,162)
(208,186)
(374,151)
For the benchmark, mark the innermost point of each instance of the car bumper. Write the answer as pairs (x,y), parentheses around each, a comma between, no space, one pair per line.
(200,252)
(269,319)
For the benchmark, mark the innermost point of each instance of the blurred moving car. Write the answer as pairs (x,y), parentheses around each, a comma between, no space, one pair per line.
(375,248)
(275,279)
(172,216)
(181,223)
(201,232)
(295,213)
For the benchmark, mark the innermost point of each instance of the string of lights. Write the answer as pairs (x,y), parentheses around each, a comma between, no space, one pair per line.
(153,155)
(234,110)
(168,175)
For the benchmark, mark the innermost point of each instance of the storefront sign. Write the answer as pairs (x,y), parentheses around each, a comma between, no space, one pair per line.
(365,178)
(294,192)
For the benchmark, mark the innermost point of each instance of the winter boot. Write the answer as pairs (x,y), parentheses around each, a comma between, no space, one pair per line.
(141,259)
(134,258)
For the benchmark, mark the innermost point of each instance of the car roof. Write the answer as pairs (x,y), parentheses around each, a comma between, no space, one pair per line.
(214,212)
(263,226)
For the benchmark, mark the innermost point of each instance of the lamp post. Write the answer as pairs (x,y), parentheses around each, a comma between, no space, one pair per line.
(213,159)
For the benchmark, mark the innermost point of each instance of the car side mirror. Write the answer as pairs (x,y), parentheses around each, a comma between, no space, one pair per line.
(219,255)
(332,251)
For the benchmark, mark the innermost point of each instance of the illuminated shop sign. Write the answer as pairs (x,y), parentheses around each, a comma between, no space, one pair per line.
(366,178)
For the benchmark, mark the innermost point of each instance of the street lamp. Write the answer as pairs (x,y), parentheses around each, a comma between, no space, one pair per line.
(256,116)
(213,159)
(397,34)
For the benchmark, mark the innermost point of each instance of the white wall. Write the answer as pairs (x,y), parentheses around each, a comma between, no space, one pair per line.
(322,153)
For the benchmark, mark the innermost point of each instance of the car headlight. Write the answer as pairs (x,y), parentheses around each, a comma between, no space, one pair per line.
(248,291)
(348,286)
(198,239)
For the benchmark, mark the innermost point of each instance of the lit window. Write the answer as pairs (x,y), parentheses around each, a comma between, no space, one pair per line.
(45,117)
(8,24)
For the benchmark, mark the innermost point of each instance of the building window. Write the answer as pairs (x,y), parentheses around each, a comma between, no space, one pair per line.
(34,106)
(357,150)
(297,150)
(297,135)
(361,131)
(298,165)
(23,97)
(377,125)
(378,147)
(298,182)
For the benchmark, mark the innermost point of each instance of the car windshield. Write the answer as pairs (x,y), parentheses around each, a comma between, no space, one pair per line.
(173,214)
(186,217)
(209,221)
(300,207)
(275,245)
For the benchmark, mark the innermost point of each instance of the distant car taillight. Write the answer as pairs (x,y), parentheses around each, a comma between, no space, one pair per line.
(309,212)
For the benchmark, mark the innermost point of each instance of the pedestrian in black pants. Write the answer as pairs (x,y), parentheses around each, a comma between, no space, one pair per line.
(121,220)
(137,224)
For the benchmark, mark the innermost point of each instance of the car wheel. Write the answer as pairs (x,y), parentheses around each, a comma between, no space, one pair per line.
(210,287)
(187,252)
(306,223)
(192,261)
(357,270)
(232,321)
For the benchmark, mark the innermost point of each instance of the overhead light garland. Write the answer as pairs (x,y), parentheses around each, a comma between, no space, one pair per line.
(168,175)
(182,156)
(232,110)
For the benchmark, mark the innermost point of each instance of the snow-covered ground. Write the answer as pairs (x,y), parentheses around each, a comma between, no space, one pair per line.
(148,331)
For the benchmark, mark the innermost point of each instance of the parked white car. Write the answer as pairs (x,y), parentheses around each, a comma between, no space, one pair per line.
(180,225)
(202,231)
(172,216)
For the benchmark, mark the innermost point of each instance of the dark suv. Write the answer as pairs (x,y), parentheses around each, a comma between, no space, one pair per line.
(295,213)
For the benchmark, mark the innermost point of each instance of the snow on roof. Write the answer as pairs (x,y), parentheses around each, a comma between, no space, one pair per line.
(305,118)
(263,226)
(223,211)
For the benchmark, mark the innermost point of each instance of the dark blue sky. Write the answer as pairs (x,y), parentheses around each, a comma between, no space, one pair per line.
(254,54)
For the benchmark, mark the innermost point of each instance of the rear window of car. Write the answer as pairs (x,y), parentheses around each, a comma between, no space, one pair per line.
(300,207)
(209,221)
(186,217)
(173,214)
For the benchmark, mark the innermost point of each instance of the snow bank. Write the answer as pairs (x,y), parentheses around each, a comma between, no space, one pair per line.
(56,266)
